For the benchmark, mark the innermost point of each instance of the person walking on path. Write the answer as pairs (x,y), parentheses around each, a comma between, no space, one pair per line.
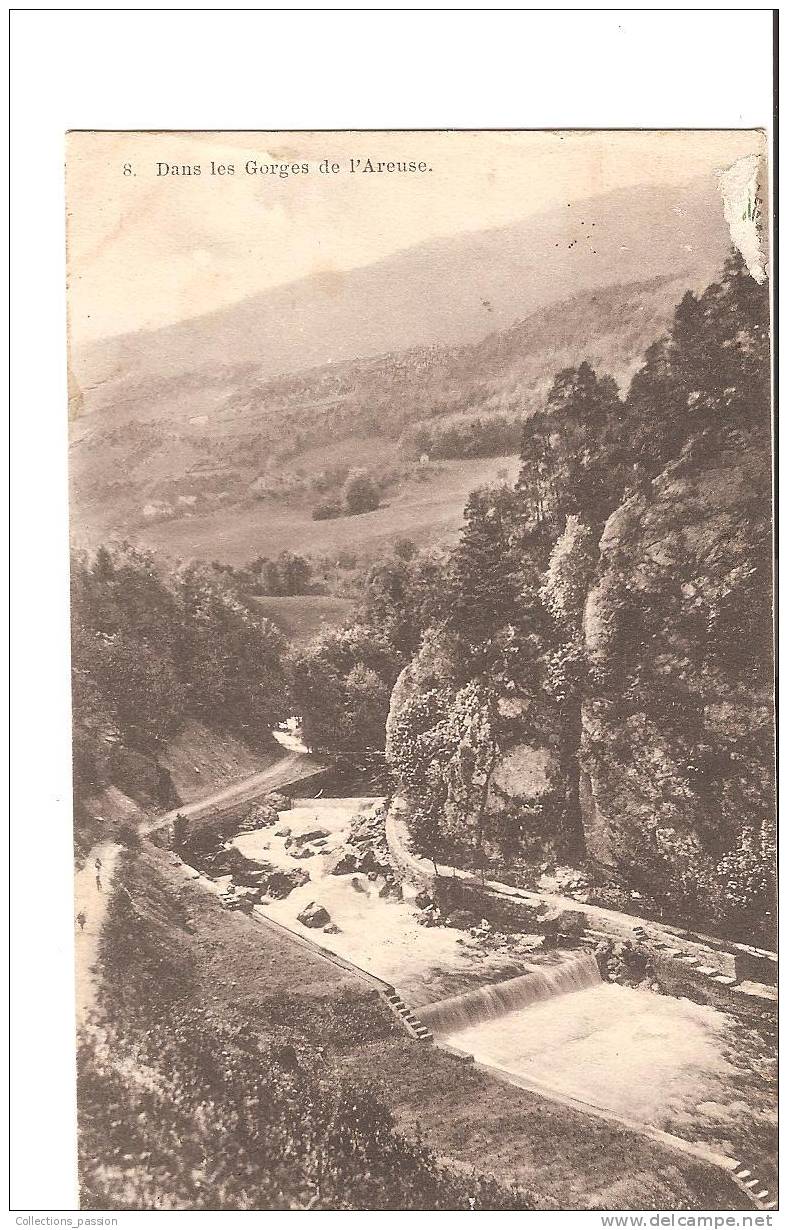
(98,881)
(81,919)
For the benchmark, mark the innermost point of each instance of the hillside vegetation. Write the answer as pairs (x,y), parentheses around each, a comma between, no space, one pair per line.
(588,673)
(266,453)
(156,652)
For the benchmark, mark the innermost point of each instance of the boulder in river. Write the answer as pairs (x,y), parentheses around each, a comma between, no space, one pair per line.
(562,922)
(254,879)
(244,870)
(369,861)
(342,863)
(302,839)
(282,883)
(389,888)
(314,915)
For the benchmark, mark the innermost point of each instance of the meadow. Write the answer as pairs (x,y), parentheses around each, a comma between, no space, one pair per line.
(427,508)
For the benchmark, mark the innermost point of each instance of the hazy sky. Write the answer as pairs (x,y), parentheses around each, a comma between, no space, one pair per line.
(147,250)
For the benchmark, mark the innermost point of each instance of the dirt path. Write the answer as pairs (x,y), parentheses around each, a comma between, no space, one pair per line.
(291,768)
(91,900)
(91,894)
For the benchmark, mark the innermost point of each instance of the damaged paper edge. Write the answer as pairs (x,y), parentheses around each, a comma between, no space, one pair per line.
(740,187)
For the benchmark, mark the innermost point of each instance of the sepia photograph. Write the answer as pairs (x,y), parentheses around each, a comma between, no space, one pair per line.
(422,662)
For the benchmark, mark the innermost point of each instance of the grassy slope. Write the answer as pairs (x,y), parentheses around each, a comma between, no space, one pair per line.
(428,509)
(302,618)
(567,1159)
(199,757)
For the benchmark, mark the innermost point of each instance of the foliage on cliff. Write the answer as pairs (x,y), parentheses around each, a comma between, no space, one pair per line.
(341,681)
(615,610)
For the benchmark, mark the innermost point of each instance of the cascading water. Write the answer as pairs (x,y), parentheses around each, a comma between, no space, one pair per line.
(451,1016)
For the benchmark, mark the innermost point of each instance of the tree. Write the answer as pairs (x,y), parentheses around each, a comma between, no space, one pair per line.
(360,493)
(711,373)
(180,831)
(483,578)
(569,457)
(151,648)
(294,573)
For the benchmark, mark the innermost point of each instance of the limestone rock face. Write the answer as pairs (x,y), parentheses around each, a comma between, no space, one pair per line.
(522,774)
(676,720)
(430,669)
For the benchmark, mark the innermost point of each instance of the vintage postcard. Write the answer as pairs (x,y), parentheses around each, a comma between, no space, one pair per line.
(423,672)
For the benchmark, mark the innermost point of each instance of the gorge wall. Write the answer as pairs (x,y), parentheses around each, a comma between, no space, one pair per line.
(597,682)
(677,712)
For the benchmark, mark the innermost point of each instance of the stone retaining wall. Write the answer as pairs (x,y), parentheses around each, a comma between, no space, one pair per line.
(416,871)
(514,907)
(680,977)
(699,967)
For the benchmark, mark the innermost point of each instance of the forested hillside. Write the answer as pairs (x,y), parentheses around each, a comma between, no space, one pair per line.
(588,674)
(153,648)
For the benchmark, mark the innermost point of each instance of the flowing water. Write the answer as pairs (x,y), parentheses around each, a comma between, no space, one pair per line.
(647,1056)
(381,935)
(669,1063)
(488,1004)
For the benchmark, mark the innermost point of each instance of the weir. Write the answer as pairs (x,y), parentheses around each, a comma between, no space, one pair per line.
(487,1003)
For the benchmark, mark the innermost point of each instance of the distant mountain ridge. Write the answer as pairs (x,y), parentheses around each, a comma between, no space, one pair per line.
(441,293)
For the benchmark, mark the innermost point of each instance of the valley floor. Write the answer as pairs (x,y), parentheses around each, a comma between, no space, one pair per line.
(428,509)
